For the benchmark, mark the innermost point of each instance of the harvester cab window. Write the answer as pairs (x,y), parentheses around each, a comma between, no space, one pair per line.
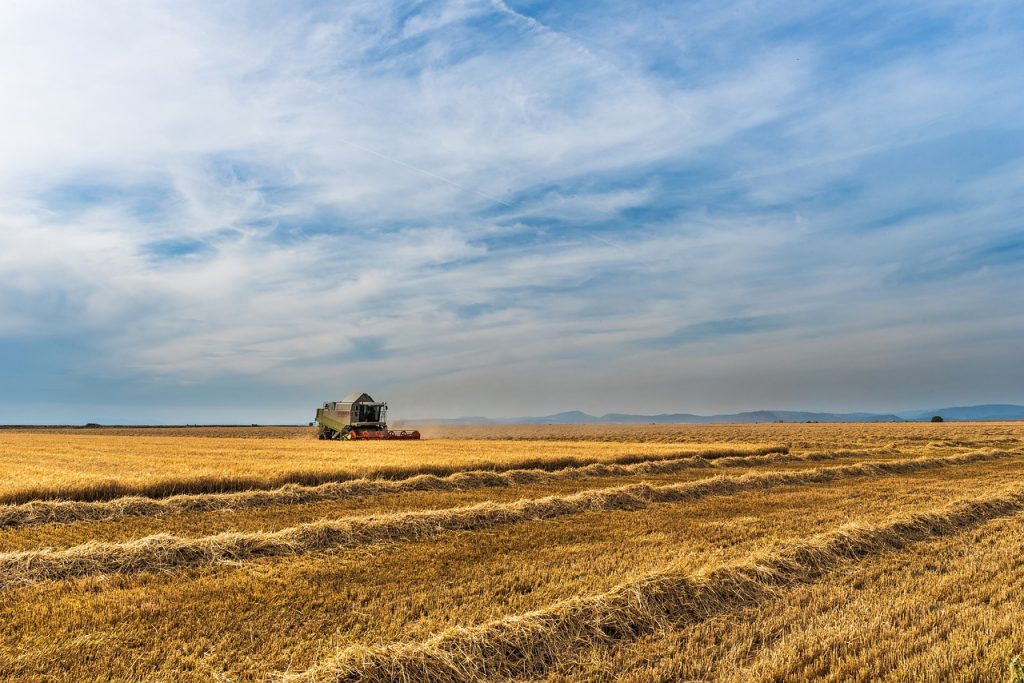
(369,413)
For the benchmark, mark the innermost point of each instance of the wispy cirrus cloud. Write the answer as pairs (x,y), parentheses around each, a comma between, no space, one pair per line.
(707,207)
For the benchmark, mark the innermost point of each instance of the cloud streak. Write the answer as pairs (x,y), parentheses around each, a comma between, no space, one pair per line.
(507,208)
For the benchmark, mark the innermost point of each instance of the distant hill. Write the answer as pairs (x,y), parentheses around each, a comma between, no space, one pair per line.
(980,413)
(578,417)
(983,413)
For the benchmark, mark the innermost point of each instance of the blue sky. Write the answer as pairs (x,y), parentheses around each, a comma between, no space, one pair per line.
(234,211)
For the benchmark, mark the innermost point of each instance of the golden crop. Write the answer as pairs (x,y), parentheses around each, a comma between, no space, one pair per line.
(689,553)
(83,465)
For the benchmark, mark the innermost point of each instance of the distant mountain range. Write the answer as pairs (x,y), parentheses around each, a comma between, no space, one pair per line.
(982,413)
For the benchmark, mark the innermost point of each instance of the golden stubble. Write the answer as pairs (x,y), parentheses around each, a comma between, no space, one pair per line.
(884,568)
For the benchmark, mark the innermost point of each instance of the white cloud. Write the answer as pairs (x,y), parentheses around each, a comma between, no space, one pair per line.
(400,173)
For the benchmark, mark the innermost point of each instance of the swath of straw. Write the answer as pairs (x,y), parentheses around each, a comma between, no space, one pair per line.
(531,643)
(109,490)
(65,511)
(168,552)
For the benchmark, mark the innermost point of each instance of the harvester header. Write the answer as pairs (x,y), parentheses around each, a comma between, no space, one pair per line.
(358,417)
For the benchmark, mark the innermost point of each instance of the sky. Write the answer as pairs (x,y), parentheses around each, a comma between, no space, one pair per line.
(234,211)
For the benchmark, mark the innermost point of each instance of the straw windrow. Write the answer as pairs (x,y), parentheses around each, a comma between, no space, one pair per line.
(167,552)
(215,483)
(530,644)
(64,511)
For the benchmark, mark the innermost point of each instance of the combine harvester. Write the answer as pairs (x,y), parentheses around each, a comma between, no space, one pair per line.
(358,417)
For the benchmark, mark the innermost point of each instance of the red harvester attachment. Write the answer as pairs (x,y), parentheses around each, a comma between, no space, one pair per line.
(372,434)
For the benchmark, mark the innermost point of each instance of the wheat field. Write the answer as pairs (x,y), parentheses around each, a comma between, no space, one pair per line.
(545,553)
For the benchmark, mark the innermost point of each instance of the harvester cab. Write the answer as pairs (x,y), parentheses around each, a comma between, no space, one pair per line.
(358,417)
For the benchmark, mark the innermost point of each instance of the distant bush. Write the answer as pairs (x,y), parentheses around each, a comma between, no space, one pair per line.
(937,418)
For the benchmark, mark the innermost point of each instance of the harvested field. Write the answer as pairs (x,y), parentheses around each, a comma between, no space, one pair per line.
(91,466)
(55,511)
(801,435)
(755,552)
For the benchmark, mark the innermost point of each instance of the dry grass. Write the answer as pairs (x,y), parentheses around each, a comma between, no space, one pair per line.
(65,511)
(212,432)
(165,552)
(251,620)
(800,435)
(529,644)
(86,466)
(948,611)
(652,568)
